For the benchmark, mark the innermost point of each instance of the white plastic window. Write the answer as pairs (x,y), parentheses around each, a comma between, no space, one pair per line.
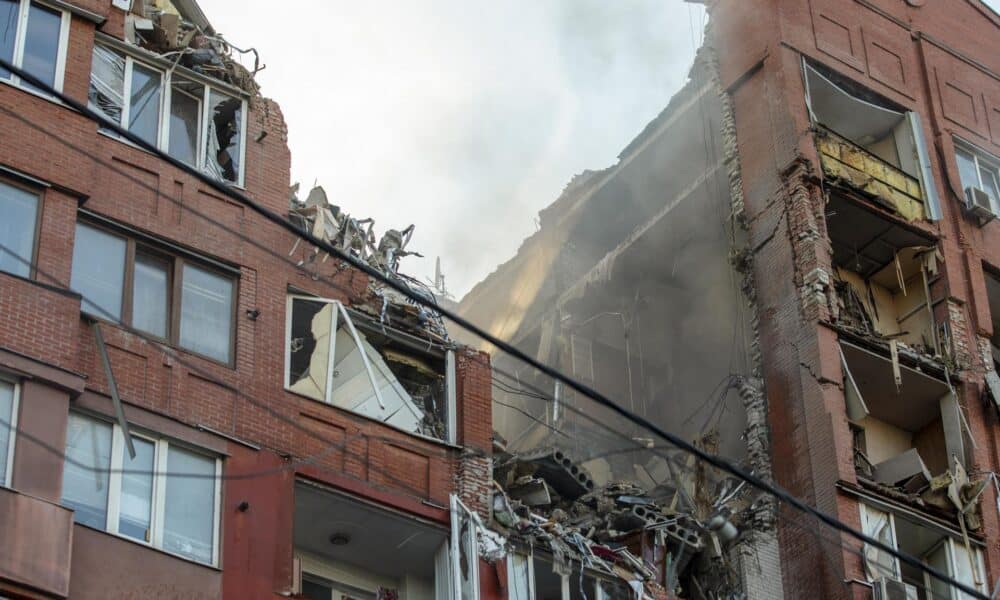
(328,359)
(9,396)
(167,496)
(34,37)
(191,121)
(979,169)
(881,526)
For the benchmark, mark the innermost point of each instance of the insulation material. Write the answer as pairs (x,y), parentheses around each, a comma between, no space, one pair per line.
(312,381)
(352,389)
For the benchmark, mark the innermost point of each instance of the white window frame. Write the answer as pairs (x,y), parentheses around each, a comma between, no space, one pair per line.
(979,155)
(451,387)
(20,39)
(161,450)
(459,512)
(952,557)
(530,558)
(866,519)
(163,128)
(8,477)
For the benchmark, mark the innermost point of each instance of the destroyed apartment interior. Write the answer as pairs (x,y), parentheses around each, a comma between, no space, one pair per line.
(762,341)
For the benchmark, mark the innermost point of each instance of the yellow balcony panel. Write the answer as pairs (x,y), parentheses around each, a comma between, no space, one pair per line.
(844,161)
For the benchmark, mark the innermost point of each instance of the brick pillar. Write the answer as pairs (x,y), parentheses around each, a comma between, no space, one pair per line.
(474,403)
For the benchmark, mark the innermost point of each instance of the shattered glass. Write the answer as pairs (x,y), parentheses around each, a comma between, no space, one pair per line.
(107,84)
(223,151)
(309,347)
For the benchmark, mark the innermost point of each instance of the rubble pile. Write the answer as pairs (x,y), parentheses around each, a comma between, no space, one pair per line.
(356,237)
(545,500)
(180,33)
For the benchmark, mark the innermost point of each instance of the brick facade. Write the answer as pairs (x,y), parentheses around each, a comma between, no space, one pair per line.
(931,58)
(253,421)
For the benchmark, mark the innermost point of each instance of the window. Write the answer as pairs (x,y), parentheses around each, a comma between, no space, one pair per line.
(977,169)
(33,37)
(368,369)
(167,496)
(19,208)
(191,121)
(132,282)
(8,423)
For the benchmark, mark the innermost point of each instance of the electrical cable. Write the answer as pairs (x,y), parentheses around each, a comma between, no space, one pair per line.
(571,382)
(146,338)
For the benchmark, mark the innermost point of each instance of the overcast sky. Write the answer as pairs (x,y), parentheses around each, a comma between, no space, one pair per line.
(462,117)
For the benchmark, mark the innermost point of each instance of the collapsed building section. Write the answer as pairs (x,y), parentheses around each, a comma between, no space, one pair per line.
(385,357)
(637,284)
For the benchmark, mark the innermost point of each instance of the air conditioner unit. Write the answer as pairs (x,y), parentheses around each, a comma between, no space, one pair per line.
(977,203)
(892,589)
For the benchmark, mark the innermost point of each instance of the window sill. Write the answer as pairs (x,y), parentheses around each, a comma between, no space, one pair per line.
(37,94)
(47,286)
(149,546)
(152,339)
(419,436)
(131,144)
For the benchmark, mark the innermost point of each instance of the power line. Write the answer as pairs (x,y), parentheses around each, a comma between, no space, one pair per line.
(310,460)
(403,289)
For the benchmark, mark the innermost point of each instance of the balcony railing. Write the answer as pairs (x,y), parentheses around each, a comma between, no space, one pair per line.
(846,161)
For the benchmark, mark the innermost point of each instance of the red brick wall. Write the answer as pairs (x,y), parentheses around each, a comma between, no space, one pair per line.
(50,142)
(924,59)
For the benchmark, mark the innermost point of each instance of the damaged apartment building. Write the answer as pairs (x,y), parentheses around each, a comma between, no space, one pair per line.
(195,403)
(794,266)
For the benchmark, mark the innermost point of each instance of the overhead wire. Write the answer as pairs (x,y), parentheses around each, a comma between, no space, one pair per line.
(331,446)
(276,219)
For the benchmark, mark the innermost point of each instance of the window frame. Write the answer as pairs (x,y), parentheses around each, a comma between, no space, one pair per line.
(8,474)
(167,78)
(451,385)
(135,246)
(39,194)
(20,38)
(979,156)
(161,450)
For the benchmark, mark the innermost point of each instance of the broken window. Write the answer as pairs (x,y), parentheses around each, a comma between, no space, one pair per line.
(336,356)
(938,547)
(519,577)
(465,560)
(912,427)
(107,84)
(223,148)
(979,172)
(871,143)
(33,37)
(189,120)
(19,208)
(200,318)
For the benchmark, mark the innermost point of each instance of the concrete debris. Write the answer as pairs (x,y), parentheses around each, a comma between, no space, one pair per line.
(356,237)
(178,30)
(546,500)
